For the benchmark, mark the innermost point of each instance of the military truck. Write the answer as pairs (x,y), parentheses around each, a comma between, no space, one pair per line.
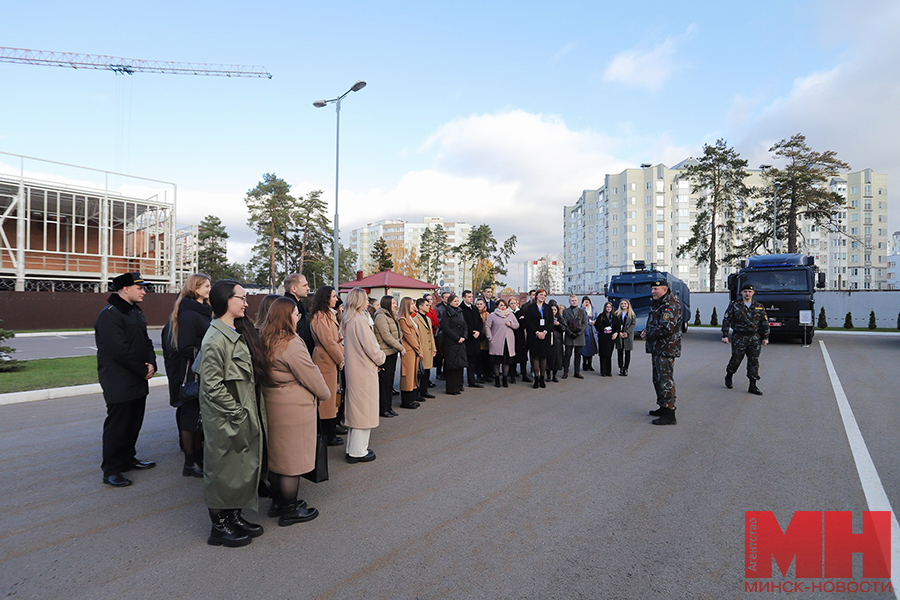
(634,286)
(785,284)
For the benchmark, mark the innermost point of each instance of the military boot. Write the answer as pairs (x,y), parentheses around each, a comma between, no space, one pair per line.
(658,412)
(666,418)
(728,382)
(753,389)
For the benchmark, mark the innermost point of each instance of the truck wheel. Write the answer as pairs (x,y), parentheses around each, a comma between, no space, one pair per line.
(684,327)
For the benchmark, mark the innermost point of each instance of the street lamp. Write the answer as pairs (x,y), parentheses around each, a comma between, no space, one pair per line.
(774,211)
(337,167)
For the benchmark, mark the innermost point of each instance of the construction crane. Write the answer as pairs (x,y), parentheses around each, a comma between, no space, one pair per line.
(126,66)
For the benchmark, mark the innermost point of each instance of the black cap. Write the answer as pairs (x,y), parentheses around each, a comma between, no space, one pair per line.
(747,286)
(660,281)
(123,281)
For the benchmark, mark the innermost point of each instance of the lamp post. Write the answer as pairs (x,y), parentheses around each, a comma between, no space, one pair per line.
(337,168)
(774,211)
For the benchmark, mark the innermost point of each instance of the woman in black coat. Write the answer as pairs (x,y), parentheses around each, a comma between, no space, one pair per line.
(538,321)
(181,339)
(557,333)
(452,333)
(607,326)
(521,357)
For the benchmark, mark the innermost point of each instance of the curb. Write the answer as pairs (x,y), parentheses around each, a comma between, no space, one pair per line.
(65,392)
(31,334)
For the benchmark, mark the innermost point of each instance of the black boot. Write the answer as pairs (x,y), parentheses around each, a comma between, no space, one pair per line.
(243,526)
(728,382)
(537,382)
(294,513)
(496,381)
(504,382)
(625,372)
(658,412)
(753,389)
(565,374)
(543,381)
(223,533)
(512,377)
(553,376)
(666,418)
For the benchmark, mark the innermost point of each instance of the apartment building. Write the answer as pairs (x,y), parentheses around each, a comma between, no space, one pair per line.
(646,213)
(408,233)
(545,273)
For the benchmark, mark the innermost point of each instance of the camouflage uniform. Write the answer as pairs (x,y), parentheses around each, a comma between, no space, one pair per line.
(751,328)
(664,345)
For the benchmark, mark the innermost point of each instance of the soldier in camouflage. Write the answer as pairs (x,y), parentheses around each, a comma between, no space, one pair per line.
(663,336)
(751,332)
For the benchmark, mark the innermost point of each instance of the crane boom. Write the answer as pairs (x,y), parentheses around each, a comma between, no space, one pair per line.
(126,65)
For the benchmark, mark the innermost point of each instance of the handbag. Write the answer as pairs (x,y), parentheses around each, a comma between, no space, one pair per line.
(190,387)
(320,470)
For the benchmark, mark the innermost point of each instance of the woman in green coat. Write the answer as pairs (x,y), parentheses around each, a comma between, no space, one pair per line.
(232,365)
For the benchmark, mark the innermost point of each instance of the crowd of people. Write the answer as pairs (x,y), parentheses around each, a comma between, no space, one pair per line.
(256,399)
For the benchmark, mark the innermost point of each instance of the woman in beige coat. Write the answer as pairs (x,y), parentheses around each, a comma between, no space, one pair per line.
(426,341)
(362,357)
(328,356)
(387,332)
(409,364)
(294,385)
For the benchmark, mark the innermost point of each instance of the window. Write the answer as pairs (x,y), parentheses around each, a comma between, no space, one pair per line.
(868,190)
(632,228)
(633,242)
(660,186)
(649,214)
(615,218)
(633,186)
(854,189)
(648,229)
(660,256)
(660,200)
(647,242)
(854,217)
(660,215)
(633,200)
(648,199)
(634,214)
(614,205)
(660,226)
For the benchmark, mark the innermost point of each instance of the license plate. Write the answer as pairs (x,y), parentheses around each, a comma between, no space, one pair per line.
(773,324)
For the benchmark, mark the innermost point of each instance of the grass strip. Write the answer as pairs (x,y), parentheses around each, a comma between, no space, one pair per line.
(44,373)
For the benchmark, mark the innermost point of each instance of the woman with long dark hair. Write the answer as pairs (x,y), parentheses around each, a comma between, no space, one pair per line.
(263,310)
(521,333)
(409,364)
(607,326)
(328,356)
(557,333)
(387,332)
(181,339)
(452,338)
(232,366)
(590,340)
(539,321)
(294,385)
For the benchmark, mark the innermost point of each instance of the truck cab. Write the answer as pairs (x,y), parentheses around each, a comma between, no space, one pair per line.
(634,286)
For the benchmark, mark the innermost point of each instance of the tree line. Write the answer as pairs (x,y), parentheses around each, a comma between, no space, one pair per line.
(800,184)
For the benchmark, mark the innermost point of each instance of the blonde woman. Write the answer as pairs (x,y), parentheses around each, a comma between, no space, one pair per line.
(181,339)
(409,364)
(625,339)
(362,357)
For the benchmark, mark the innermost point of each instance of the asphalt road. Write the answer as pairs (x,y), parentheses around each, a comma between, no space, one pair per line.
(567,492)
(63,345)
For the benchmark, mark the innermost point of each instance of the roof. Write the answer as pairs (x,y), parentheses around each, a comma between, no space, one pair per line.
(388,279)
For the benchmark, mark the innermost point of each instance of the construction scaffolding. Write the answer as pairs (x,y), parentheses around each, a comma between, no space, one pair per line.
(75,234)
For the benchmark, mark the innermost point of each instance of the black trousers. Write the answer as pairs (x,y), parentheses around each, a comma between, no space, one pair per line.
(474,367)
(567,355)
(624,357)
(454,380)
(120,433)
(386,382)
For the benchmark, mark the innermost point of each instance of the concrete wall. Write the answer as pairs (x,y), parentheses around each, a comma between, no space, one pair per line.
(885,303)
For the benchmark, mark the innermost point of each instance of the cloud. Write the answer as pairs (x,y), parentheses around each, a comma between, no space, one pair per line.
(849,108)
(562,52)
(648,68)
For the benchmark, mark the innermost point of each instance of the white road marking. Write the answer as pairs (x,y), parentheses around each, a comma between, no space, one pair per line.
(876,498)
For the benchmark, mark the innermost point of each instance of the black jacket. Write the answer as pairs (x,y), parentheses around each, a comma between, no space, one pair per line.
(193,321)
(123,349)
(473,323)
(452,327)
(303,328)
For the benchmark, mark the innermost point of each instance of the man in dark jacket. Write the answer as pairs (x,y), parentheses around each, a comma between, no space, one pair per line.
(473,340)
(576,323)
(297,288)
(125,362)
(663,335)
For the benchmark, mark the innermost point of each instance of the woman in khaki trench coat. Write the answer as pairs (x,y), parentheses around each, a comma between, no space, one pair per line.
(328,356)
(409,364)
(426,341)
(232,363)
(362,357)
(294,385)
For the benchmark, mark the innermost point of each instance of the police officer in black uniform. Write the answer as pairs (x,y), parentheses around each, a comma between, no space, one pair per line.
(751,332)
(663,335)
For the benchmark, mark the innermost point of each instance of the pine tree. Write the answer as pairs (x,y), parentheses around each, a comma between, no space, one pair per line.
(381,256)
(7,363)
(697,318)
(898,320)
(212,255)
(823,322)
(848,321)
(714,320)
(719,178)
(433,252)
(872,323)
(272,211)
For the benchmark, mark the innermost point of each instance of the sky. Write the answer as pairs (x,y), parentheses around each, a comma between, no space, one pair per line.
(484,112)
